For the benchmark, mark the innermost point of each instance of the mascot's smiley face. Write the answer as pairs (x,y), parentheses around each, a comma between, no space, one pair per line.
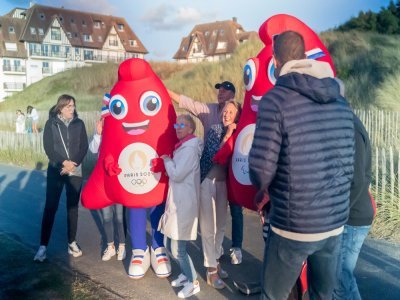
(138,105)
(149,105)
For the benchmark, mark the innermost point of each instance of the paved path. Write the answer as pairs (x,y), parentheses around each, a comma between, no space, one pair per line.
(22,194)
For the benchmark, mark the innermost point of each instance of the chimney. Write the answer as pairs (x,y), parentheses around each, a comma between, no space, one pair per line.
(234,19)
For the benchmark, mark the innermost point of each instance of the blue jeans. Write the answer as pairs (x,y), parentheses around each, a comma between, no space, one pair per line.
(109,212)
(352,239)
(237,225)
(283,259)
(178,250)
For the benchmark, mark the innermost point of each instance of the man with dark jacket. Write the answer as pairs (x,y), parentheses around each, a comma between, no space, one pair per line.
(302,158)
(360,218)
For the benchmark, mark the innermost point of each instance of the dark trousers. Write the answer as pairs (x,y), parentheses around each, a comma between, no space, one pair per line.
(283,259)
(237,225)
(55,185)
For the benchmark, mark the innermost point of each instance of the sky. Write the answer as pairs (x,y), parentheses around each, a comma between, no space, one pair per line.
(161,25)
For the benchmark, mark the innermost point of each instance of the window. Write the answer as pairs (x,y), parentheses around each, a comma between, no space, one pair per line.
(11,46)
(61,19)
(75,34)
(221,45)
(88,54)
(222,32)
(121,27)
(55,34)
(113,40)
(11,29)
(207,33)
(41,31)
(83,23)
(87,37)
(33,30)
(55,50)
(72,20)
(45,67)
(97,24)
(133,43)
(69,34)
(42,16)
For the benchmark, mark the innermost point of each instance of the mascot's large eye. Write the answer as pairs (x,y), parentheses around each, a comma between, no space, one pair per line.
(271,71)
(150,103)
(118,107)
(249,74)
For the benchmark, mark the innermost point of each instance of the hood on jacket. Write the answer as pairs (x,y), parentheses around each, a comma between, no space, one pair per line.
(311,78)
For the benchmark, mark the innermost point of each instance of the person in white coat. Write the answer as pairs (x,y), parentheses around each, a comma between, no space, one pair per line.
(180,219)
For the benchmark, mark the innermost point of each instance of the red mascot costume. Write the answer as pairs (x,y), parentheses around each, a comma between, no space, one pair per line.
(258,79)
(138,125)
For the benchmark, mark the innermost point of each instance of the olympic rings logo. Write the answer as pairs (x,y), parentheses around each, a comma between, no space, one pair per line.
(139,181)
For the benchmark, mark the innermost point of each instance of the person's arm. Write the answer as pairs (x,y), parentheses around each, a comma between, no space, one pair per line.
(48,145)
(231,129)
(264,153)
(359,176)
(95,143)
(196,108)
(83,143)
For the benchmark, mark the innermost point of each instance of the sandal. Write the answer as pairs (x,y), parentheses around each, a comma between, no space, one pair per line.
(217,283)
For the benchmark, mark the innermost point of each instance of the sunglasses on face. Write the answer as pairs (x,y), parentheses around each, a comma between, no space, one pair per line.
(179,125)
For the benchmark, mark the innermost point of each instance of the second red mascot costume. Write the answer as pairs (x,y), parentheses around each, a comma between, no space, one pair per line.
(258,79)
(138,126)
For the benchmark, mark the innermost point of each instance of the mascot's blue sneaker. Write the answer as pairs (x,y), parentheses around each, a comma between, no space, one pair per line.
(140,263)
(160,262)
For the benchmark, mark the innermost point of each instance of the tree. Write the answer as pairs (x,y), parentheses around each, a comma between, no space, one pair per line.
(387,22)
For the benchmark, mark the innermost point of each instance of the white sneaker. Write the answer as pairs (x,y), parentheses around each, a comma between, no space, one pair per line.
(109,252)
(236,256)
(121,253)
(41,254)
(140,263)
(180,281)
(74,249)
(160,262)
(189,289)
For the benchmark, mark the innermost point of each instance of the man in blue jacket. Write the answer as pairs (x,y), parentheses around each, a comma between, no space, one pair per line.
(302,157)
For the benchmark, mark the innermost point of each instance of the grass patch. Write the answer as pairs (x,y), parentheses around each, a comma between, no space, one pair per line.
(387,221)
(22,278)
(23,158)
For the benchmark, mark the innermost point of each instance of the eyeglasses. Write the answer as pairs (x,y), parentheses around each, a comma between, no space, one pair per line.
(177,125)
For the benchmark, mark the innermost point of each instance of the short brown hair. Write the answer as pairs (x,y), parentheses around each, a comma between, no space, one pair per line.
(63,101)
(288,46)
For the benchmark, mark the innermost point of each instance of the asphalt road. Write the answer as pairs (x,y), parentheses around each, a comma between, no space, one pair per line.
(22,197)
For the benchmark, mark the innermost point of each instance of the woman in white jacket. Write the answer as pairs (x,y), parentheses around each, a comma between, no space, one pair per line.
(179,222)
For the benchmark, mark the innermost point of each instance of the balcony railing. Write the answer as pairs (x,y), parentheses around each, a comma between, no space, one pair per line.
(48,53)
(108,58)
(14,86)
(12,68)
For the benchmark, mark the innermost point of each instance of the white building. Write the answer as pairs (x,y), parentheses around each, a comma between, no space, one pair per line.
(42,40)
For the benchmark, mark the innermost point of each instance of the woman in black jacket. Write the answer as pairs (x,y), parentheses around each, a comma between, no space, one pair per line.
(65,143)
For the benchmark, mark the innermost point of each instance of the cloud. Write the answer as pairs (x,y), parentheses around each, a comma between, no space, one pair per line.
(167,17)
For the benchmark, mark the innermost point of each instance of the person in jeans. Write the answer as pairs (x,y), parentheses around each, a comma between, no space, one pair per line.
(65,143)
(360,218)
(210,114)
(180,219)
(109,212)
(302,160)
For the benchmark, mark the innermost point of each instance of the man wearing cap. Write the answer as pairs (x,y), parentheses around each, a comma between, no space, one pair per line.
(210,114)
